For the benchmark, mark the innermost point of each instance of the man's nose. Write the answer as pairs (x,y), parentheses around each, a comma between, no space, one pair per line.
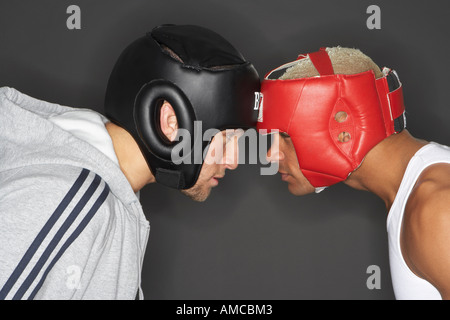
(231,166)
(274,155)
(232,155)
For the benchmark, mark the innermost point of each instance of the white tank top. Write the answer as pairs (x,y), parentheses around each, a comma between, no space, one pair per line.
(408,286)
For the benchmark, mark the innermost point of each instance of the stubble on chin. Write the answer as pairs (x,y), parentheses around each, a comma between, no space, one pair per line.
(197,193)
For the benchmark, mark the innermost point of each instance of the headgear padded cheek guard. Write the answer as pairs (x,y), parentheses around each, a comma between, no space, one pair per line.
(200,74)
(306,110)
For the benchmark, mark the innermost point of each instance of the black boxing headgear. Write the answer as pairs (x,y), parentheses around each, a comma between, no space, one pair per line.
(200,74)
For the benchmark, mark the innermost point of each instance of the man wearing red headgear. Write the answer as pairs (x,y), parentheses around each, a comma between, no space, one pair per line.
(341,118)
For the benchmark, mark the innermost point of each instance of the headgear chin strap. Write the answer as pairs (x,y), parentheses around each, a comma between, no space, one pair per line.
(200,74)
(318,112)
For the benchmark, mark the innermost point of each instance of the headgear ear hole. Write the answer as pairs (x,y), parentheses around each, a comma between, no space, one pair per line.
(344,137)
(341,116)
(165,121)
(147,110)
(157,116)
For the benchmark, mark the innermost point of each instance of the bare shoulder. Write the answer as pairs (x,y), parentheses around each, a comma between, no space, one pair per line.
(425,237)
(431,195)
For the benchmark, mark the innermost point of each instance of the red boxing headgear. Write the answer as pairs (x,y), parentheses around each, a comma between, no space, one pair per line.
(306,110)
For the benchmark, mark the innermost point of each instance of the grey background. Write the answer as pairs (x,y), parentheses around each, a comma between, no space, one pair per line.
(251,239)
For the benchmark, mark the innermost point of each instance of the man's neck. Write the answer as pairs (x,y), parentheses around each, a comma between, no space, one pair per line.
(131,161)
(384,166)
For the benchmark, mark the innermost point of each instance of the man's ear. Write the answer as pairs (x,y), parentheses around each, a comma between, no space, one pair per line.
(168,121)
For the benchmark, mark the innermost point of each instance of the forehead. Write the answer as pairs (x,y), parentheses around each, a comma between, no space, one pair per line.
(227,133)
(282,140)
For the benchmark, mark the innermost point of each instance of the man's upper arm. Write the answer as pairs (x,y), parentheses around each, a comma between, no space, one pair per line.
(42,211)
(426,236)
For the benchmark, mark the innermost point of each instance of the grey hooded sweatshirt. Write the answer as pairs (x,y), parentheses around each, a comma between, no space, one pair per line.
(71,226)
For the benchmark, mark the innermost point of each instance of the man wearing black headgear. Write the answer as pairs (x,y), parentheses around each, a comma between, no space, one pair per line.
(71,226)
(196,75)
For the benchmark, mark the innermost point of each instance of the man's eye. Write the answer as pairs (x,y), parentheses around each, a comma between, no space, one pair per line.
(284,135)
(229,137)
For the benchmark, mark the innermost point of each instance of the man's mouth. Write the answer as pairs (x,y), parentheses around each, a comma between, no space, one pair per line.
(215,180)
(284,175)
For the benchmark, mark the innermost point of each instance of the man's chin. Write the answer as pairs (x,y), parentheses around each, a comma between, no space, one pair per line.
(297,190)
(197,194)
(293,191)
